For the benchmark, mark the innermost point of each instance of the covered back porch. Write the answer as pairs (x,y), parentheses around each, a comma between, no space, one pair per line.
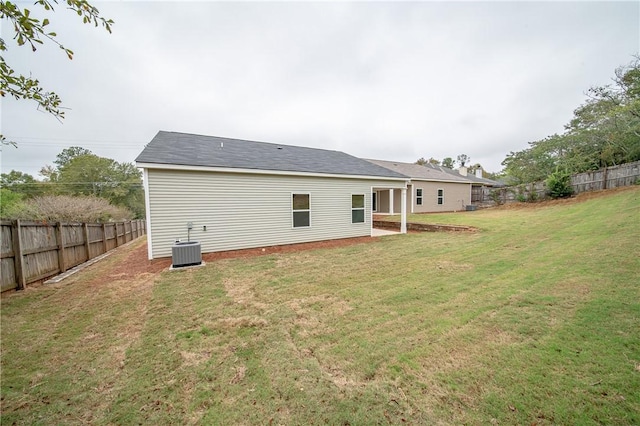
(390,201)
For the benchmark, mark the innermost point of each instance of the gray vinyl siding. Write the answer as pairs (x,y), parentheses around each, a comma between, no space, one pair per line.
(250,210)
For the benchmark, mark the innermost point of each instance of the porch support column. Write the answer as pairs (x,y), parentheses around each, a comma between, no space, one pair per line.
(403,213)
(413,193)
(391,201)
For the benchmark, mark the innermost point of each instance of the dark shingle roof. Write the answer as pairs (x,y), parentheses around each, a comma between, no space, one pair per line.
(427,172)
(210,151)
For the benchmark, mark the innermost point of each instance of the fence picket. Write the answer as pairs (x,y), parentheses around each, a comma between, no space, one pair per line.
(60,238)
(18,257)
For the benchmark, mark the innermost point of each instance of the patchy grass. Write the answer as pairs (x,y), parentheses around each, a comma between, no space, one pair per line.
(532,320)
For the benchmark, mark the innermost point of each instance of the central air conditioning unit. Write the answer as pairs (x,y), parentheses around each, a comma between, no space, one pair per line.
(186,253)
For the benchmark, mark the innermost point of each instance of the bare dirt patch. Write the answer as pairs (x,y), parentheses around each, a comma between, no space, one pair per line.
(136,263)
(288,248)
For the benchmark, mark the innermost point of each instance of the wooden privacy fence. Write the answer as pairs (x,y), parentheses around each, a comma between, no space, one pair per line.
(609,177)
(33,251)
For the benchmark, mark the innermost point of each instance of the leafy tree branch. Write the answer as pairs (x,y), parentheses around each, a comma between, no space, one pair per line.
(32,32)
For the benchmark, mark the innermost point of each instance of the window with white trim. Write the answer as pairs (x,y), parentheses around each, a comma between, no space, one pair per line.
(440,196)
(357,208)
(300,210)
(419,196)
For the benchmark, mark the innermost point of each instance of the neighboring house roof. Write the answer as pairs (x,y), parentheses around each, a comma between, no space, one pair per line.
(427,172)
(172,148)
(475,179)
(483,181)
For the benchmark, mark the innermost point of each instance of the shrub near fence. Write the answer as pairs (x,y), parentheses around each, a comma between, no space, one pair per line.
(33,251)
(610,177)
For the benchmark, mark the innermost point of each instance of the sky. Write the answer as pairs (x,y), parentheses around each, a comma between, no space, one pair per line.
(383,80)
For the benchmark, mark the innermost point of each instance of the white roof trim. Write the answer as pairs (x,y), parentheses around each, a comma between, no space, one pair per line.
(262,172)
(441,180)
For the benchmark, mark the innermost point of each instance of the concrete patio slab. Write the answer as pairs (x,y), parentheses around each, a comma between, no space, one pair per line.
(375,232)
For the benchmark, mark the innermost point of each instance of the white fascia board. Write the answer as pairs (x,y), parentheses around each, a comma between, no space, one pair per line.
(263,172)
(440,180)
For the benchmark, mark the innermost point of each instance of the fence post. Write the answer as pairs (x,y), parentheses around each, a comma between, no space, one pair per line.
(17,253)
(104,238)
(85,227)
(60,238)
(604,178)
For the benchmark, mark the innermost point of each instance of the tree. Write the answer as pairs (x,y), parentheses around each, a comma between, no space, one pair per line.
(421,161)
(434,161)
(68,154)
(21,183)
(10,203)
(448,162)
(607,126)
(604,131)
(32,32)
(463,159)
(535,163)
(90,175)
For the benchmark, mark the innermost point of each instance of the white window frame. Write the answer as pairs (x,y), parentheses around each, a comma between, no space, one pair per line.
(440,198)
(419,196)
(308,194)
(363,208)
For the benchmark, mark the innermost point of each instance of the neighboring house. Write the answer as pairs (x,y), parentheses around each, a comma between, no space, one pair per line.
(480,186)
(233,194)
(431,189)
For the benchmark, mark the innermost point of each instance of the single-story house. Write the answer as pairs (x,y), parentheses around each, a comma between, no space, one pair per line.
(233,194)
(431,189)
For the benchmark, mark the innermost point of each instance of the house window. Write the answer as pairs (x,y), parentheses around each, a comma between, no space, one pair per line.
(300,210)
(419,196)
(374,201)
(440,196)
(357,208)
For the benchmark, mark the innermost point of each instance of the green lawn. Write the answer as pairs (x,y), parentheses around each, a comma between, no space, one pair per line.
(535,319)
